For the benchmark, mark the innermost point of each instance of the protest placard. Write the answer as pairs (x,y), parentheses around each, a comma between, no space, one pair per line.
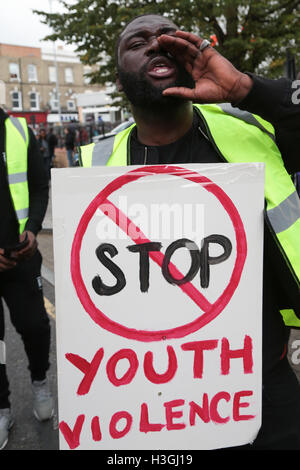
(158,274)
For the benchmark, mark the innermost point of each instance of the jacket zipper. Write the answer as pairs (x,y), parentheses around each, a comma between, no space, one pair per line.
(145,155)
(129,154)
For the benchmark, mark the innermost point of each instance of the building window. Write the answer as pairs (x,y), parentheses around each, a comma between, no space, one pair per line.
(52,74)
(32,73)
(71,105)
(34,101)
(86,70)
(54,101)
(16,100)
(14,71)
(68,75)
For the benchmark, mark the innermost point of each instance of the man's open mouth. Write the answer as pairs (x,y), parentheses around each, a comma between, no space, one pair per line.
(161,67)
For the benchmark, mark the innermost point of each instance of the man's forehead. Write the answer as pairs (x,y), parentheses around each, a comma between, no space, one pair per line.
(147,22)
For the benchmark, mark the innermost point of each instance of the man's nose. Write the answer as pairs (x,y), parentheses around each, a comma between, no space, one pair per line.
(153,46)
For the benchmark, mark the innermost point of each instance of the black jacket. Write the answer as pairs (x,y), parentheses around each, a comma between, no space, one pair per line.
(278,102)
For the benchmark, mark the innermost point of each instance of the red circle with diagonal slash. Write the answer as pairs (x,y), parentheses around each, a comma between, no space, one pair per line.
(212,310)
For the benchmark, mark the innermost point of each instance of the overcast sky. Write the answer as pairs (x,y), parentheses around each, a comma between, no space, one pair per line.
(19,26)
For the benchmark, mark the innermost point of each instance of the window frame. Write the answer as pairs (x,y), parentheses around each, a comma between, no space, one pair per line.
(20,107)
(70,79)
(73,107)
(18,76)
(34,78)
(52,71)
(53,99)
(37,101)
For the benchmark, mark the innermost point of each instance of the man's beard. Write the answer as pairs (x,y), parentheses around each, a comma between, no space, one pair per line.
(142,93)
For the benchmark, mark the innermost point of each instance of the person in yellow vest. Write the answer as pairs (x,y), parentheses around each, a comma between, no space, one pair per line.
(23,203)
(191,105)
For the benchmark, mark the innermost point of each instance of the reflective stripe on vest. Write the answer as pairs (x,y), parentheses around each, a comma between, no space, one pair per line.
(17,139)
(243,137)
(289,318)
(111,151)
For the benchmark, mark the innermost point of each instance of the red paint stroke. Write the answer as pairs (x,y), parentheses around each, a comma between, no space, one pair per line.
(95,427)
(114,432)
(246,353)
(211,311)
(89,369)
(237,405)
(145,425)
(152,375)
(198,347)
(171,414)
(112,363)
(201,411)
(72,437)
(138,237)
(283,352)
(214,413)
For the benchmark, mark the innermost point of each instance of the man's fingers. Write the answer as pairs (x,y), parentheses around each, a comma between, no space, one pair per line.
(29,250)
(180,92)
(190,37)
(203,94)
(180,48)
(26,252)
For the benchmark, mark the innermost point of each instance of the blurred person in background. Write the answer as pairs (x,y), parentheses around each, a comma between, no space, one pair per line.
(69,144)
(45,150)
(23,203)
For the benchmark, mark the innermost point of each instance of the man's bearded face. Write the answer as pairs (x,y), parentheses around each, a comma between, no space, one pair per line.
(145,69)
(141,92)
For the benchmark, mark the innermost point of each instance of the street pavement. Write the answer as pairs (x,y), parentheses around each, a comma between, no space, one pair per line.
(27,433)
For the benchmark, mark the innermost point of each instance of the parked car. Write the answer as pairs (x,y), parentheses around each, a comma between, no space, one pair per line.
(114,131)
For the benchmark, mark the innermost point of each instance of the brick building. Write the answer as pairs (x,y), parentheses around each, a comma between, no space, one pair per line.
(28,83)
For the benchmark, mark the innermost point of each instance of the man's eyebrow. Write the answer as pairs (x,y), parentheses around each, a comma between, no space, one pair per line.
(144,33)
(167,29)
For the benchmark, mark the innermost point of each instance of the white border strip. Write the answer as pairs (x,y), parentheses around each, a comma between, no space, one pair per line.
(2,352)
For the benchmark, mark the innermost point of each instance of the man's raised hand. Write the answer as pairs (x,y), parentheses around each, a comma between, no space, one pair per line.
(216,79)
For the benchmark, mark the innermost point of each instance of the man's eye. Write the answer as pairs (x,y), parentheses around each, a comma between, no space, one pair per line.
(137,44)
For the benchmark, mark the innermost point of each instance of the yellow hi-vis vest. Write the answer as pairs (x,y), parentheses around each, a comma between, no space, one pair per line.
(16,146)
(238,137)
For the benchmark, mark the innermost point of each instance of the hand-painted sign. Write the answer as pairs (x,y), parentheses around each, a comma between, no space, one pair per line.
(158,296)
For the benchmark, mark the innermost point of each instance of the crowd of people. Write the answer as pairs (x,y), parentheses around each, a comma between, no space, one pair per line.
(68,137)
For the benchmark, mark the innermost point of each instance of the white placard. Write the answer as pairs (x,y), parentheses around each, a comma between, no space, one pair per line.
(158,275)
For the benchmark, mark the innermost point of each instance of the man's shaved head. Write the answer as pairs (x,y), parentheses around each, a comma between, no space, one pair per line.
(135,19)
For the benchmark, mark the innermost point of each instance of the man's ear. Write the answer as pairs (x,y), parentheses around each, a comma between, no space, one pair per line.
(118,83)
